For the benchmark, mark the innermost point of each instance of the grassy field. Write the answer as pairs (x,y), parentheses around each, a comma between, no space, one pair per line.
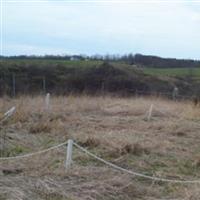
(115,129)
(175,72)
(67,63)
(92,77)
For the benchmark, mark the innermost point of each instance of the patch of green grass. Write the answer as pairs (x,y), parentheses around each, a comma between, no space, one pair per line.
(170,189)
(55,164)
(3,197)
(66,63)
(85,160)
(48,143)
(15,151)
(188,168)
(173,72)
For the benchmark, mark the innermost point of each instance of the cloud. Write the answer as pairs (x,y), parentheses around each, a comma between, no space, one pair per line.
(153,28)
(196,17)
(23,49)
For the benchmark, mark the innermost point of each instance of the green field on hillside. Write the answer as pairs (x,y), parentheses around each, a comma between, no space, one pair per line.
(172,72)
(41,62)
(62,76)
(175,72)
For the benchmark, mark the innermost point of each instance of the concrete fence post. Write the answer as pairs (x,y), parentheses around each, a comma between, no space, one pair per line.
(44,84)
(10,112)
(13,85)
(150,113)
(175,93)
(47,101)
(68,161)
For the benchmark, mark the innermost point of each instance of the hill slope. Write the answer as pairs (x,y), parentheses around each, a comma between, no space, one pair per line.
(26,76)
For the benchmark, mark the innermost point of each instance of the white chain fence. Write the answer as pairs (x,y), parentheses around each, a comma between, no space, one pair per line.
(70,143)
(135,173)
(116,167)
(34,153)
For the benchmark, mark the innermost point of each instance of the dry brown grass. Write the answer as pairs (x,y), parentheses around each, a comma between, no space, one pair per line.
(114,128)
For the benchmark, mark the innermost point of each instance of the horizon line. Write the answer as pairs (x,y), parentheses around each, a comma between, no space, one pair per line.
(95,54)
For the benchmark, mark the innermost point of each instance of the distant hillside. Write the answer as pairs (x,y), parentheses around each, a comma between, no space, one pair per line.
(34,76)
(158,62)
(132,59)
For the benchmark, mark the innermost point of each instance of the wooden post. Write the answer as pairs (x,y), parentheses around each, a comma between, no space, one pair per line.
(68,161)
(44,84)
(103,88)
(136,93)
(150,112)
(13,85)
(47,101)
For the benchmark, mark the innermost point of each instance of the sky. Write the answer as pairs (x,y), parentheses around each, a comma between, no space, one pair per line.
(164,28)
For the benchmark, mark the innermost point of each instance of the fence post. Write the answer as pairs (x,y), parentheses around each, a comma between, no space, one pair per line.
(10,112)
(44,84)
(68,161)
(136,93)
(103,88)
(150,112)
(175,93)
(13,85)
(47,101)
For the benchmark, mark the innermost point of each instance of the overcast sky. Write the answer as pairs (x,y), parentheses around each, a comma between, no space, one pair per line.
(165,28)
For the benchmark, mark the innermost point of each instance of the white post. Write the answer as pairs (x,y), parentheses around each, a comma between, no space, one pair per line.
(9,112)
(69,154)
(175,93)
(47,101)
(150,112)
(44,84)
(14,85)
